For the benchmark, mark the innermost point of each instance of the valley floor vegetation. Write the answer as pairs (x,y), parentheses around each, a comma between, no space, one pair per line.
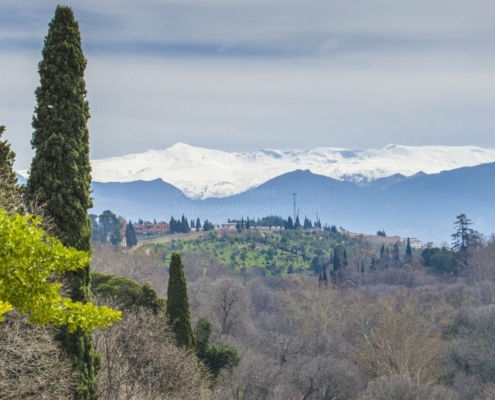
(386,323)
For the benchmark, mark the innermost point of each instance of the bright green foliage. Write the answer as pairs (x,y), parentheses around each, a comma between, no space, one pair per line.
(28,259)
(60,171)
(215,358)
(178,313)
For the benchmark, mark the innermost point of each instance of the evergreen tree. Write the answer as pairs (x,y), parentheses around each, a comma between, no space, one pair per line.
(130,235)
(336,267)
(198,225)
(217,357)
(395,253)
(185,225)
(382,252)
(247,223)
(208,226)
(60,170)
(464,237)
(177,311)
(408,250)
(193,226)
(307,223)
(290,223)
(110,227)
(297,224)
(344,261)
(10,198)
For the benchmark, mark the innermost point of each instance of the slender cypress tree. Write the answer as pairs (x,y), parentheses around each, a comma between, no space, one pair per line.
(130,235)
(60,171)
(408,250)
(178,313)
(10,198)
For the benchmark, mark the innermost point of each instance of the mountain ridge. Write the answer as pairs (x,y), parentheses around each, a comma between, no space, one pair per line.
(423,206)
(205,173)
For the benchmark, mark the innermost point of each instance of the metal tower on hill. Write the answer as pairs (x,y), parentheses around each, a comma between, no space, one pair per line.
(294,194)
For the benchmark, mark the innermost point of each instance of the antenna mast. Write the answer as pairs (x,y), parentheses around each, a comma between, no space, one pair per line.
(294,194)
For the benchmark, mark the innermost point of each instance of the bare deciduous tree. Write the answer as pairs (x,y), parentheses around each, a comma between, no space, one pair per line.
(394,338)
(32,367)
(141,362)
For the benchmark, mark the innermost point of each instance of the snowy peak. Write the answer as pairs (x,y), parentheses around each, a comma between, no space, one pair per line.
(202,173)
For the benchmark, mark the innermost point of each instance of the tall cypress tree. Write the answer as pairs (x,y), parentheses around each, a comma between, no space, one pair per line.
(408,250)
(178,313)
(130,235)
(10,198)
(60,170)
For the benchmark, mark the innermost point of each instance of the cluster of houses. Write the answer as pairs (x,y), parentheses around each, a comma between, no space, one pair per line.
(386,240)
(146,228)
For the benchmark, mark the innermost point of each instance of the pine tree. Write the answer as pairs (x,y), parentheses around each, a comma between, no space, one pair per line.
(178,313)
(60,170)
(198,225)
(464,237)
(110,227)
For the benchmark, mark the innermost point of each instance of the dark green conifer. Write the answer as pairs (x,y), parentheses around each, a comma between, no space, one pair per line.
(60,170)
(408,250)
(10,198)
(217,357)
(290,223)
(297,224)
(130,235)
(178,313)
(395,253)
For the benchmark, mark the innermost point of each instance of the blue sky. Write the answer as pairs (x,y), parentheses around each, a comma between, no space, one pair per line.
(244,75)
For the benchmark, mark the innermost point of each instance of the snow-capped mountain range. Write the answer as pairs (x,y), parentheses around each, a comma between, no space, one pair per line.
(203,173)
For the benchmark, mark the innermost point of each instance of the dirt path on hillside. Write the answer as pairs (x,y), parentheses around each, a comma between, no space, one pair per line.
(168,239)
